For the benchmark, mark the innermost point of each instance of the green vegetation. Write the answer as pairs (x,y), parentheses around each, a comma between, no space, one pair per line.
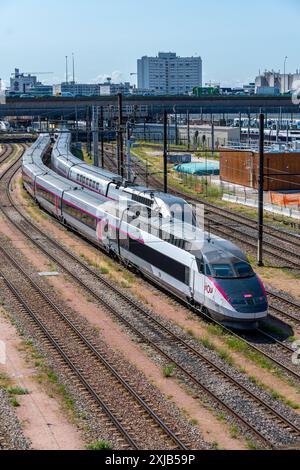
(168,370)
(17,391)
(14,402)
(5,381)
(238,345)
(196,187)
(207,343)
(222,353)
(104,270)
(215,445)
(191,184)
(194,421)
(221,416)
(234,431)
(99,445)
(251,444)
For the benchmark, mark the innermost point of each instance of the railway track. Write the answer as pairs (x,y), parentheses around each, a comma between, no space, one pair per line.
(152,332)
(136,421)
(122,404)
(279,245)
(6,153)
(278,351)
(284,308)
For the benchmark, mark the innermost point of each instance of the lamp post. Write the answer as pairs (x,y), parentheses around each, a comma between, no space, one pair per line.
(284,66)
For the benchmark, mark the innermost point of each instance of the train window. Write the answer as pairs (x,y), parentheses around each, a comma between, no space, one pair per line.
(86,219)
(200,265)
(243,269)
(222,270)
(160,260)
(97,186)
(46,195)
(207,270)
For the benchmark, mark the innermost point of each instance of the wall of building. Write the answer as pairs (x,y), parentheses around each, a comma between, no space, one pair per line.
(20,83)
(168,74)
(283,82)
(154,133)
(281,170)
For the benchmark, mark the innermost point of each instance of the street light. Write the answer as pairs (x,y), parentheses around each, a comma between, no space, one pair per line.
(285,59)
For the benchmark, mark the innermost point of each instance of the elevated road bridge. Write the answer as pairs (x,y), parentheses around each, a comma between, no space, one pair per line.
(146,106)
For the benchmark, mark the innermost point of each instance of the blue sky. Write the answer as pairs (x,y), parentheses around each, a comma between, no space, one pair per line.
(235,38)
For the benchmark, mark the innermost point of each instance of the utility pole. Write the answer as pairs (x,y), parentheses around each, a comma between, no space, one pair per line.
(188,129)
(212,134)
(249,126)
(120,136)
(73,61)
(165,151)
(67,72)
(128,151)
(88,130)
(95,135)
(176,126)
(261,190)
(284,66)
(102,135)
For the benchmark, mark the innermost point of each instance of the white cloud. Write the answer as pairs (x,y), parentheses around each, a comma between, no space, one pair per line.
(116,77)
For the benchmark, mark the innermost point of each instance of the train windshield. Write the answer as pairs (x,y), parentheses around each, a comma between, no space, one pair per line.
(185,214)
(225,267)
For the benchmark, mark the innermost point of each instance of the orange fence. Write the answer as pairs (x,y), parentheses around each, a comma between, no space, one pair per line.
(280,199)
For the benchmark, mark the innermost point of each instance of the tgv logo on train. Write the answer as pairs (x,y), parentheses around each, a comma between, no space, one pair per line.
(208,289)
(155,234)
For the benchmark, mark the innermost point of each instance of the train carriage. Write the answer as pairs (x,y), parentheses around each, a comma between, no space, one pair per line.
(151,232)
(49,191)
(29,173)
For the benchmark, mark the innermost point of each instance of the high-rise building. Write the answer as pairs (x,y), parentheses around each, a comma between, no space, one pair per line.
(168,74)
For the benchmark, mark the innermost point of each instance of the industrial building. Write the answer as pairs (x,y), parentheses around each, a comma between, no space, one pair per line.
(20,83)
(199,134)
(40,90)
(92,89)
(77,89)
(281,169)
(271,82)
(29,85)
(109,89)
(168,74)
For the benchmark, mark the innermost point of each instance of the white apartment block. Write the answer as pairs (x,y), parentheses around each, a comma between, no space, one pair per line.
(168,74)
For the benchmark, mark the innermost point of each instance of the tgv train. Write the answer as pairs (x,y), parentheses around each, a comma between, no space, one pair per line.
(208,272)
(104,182)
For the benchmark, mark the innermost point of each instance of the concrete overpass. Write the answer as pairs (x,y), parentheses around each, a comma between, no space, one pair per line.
(143,106)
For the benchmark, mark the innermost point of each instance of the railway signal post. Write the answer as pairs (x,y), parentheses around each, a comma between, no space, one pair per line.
(96,135)
(102,135)
(261,190)
(165,151)
(120,136)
